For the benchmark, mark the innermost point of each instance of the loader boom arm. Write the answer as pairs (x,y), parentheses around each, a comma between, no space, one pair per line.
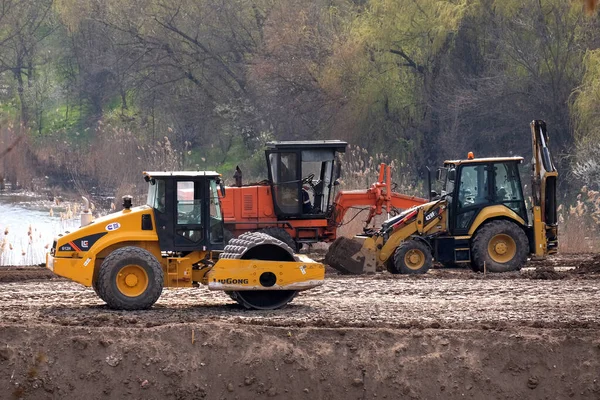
(378,197)
(543,184)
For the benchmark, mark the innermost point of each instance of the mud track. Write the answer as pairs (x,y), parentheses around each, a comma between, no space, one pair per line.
(447,334)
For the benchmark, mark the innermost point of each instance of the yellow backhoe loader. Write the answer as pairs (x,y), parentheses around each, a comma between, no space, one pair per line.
(480,219)
(177,240)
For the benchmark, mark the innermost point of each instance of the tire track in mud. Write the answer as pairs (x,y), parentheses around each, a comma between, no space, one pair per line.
(370,301)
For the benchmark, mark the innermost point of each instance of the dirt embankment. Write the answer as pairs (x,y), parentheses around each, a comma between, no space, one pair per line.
(232,361)
(448,334)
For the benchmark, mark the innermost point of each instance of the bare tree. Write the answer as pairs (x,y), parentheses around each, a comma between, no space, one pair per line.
(26,23)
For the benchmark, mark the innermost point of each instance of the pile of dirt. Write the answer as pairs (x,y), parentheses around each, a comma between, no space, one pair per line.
(18,274)
(591,267)
(543,272)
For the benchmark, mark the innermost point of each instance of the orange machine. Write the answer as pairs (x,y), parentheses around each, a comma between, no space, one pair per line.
(299,202)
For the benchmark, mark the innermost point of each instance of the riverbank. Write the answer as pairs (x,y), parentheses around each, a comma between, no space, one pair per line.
(29,223)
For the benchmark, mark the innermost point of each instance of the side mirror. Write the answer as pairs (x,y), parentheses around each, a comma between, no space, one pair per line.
(219,182)
(452,174)
(338,169)
(441,174)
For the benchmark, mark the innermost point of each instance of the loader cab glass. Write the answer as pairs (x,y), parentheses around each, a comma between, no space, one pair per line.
(186,211)
(446,177)
(302,176)
(480,185)
(441,175)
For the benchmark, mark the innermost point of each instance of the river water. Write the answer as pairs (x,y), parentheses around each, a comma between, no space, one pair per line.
(29,224)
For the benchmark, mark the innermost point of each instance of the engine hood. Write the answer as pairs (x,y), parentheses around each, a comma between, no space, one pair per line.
(118,224)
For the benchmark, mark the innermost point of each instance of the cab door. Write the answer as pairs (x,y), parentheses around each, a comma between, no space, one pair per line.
(286,182)
(181,223)
(472,193)
(189,226)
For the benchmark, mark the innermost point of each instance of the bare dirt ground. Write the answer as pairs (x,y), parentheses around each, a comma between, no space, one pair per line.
(446,334)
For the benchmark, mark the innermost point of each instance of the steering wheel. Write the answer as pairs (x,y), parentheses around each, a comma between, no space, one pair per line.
(309,179)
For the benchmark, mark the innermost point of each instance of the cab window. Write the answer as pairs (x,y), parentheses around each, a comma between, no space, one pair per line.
(216,225)
(286,184)
(156,195)
(507,187)
(188,208)
(473,186)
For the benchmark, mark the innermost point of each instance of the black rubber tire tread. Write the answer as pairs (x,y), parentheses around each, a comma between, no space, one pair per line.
(455,265)
(474,267)
(283,297)
(280,234)
(400,268)
(97,289)
(106,282)
(479,247)
(390,267)
(240,247)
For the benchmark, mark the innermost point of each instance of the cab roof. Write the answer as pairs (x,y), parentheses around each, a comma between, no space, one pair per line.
(335,145)
(484,160)
(184,174)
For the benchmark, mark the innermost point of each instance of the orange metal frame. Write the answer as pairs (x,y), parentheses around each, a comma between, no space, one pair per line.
(250,208)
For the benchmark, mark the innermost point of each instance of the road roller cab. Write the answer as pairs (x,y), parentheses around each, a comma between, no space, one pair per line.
(186,210)
(177,240)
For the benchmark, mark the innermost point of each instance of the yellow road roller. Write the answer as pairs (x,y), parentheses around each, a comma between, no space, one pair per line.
(177,240)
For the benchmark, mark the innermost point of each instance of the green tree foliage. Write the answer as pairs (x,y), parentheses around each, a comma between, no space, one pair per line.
(24,25)
(586,118)
(421,80)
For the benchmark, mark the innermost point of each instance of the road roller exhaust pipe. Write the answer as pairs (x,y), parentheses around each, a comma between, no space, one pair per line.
(86,214)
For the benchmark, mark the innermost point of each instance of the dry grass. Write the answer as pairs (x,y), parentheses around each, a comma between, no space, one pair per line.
(579,224)
(113,160)
(359,171)
(17,159)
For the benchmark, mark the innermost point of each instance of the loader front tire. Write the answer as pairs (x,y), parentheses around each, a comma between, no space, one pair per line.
(411,257)
(500,246)
(130,278)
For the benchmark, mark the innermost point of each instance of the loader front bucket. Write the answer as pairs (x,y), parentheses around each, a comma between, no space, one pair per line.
(350,256)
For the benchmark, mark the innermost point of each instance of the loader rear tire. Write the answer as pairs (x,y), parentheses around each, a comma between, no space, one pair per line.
(501,246)
(130,278)
(474,267)
(411,257)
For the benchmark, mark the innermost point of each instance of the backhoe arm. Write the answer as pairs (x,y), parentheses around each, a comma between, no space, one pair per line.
(378,197)
(543,185)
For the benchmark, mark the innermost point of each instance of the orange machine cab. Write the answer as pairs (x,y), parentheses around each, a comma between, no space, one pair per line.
(299,202)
